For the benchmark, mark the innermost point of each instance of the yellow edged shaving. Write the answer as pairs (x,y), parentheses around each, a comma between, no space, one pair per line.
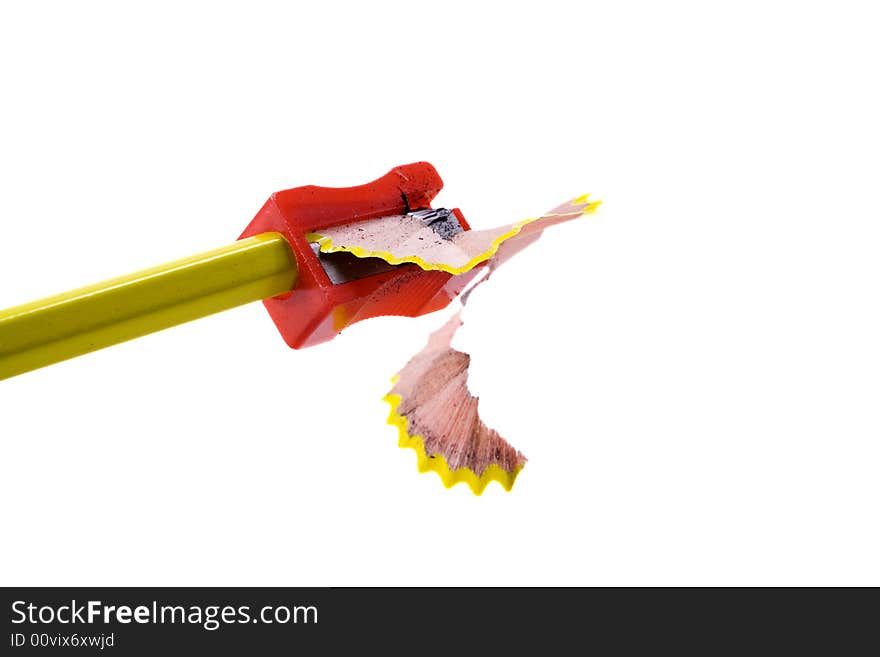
(326,245)
(438,464)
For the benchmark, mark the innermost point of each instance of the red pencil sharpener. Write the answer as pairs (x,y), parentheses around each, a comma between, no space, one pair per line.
(337,289)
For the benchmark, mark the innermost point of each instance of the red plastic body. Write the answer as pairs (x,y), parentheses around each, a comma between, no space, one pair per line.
(317,310)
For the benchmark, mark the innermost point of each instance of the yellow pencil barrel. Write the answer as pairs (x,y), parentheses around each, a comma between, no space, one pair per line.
(59,327)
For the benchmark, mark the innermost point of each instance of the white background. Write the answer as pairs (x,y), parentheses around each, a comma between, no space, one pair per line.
(693,374)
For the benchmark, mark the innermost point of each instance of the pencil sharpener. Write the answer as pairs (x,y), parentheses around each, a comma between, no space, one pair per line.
(334,290)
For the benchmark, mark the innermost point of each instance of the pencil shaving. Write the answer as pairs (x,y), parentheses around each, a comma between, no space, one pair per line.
(399,239)
(435,413)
